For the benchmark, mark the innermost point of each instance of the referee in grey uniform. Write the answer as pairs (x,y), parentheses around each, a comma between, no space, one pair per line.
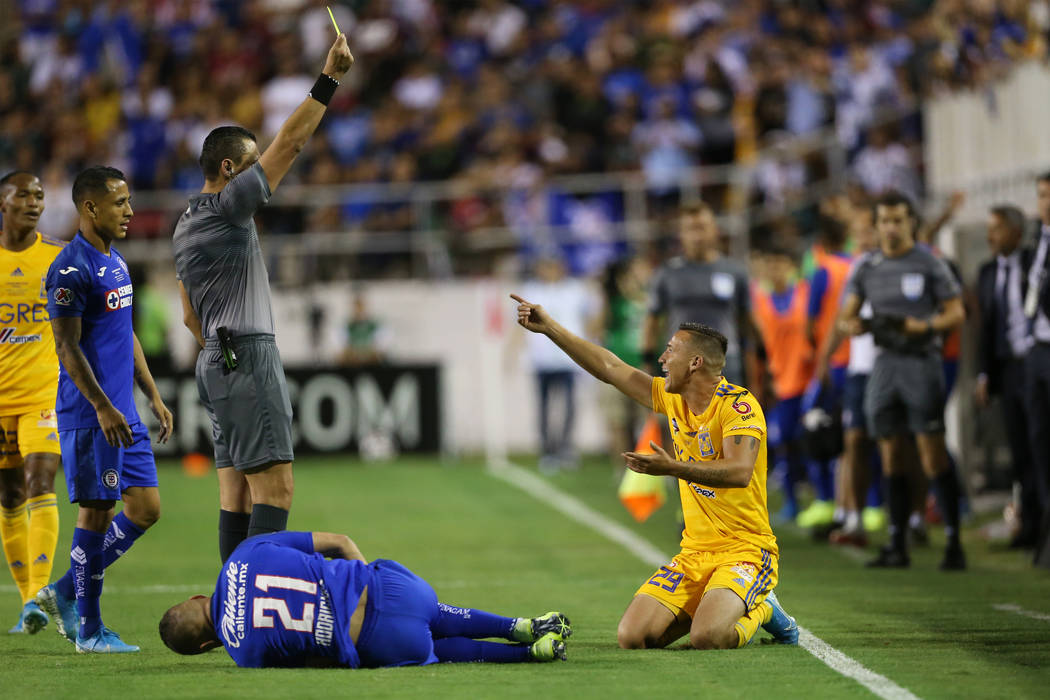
(701,286)
(915,299)
(226,304)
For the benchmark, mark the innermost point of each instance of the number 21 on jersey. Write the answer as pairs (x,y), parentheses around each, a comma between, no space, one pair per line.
(262,607)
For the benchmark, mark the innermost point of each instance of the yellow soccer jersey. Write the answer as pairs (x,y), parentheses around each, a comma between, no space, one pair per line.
(28,364)
(717,519)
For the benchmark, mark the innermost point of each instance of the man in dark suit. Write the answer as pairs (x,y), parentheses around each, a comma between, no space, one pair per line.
(1037,309)
(1002,346)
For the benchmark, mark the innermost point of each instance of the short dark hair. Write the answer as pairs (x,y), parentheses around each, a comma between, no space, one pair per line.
(223,142)
(831,231)
(1045,177)
(6,179)
(92,182)
(894,198)
(1011,216)
(177,636)
(694,208)
(781,250)
(710,344)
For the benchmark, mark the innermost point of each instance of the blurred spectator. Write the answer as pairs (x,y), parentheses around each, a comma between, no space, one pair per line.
(885,164)
(568,300)
(583,85)
(366,336)
(624,287)
(153,316)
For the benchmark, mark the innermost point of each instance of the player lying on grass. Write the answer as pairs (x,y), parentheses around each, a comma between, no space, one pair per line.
(280,602)
(719,588)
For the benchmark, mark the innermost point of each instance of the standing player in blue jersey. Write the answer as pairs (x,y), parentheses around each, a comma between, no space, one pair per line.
(279,602)
(106,451)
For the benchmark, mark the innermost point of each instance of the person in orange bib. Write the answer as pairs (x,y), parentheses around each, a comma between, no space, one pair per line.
(781,314)
(718,590)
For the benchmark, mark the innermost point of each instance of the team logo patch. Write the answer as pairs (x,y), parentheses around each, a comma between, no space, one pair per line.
(742,407)
(63,296)
(118,298)
(53,437)
(745,571)
(110,478)
(912,285)
(722,285)
(707,448)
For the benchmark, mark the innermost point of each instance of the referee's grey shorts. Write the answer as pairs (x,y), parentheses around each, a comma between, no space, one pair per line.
(905,393)
(251,416)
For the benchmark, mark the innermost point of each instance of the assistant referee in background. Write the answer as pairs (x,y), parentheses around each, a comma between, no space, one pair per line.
(226,304)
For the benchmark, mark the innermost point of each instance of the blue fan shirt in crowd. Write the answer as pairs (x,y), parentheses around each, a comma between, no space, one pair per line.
(277,603)
(96,287)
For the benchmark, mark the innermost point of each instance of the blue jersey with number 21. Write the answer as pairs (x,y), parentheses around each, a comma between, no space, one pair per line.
(277,603)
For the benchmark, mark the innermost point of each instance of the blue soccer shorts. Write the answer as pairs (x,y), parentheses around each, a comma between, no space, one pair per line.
(396,630)
(97,471)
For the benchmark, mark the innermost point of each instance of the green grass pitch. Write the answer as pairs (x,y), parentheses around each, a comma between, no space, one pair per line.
(482,543)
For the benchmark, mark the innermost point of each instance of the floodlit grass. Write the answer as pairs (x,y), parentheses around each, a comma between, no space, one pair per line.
(482,543)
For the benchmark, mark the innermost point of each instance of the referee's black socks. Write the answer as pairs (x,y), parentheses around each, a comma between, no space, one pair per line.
(233,528)
(900,507)
(267,519)
(948,489)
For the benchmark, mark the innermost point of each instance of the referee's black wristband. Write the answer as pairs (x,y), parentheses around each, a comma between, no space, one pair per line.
(324,88)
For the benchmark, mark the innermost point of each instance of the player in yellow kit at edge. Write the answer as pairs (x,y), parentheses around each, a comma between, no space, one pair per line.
(719,589)
(29,448)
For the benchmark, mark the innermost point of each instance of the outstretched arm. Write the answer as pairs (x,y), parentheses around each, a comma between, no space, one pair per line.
(297,129)
(602,363)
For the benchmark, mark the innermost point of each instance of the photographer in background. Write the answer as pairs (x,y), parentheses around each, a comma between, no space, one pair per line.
(914,299)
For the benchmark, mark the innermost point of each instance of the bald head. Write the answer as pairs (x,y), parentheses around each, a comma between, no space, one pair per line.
(186,628)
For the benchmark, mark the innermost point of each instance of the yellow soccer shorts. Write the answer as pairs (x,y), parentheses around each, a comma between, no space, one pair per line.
(749,572)
(26,434)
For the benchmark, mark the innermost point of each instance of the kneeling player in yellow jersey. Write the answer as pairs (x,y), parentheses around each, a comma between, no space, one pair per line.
(29,447)
(719,589)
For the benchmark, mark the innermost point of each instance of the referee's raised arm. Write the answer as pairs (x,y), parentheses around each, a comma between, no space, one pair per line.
(297,129)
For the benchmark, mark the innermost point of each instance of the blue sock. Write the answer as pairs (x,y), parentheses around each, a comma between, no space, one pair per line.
(121,534)
(114,547)
(463,650)
(86,566)
(821,476)
(875,490)
(451,621)
(787,485)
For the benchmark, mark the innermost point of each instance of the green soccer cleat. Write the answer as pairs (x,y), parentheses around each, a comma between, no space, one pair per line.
(549,647)
(104,641)
(782,626)
(874,519)
(819,513)
(63,610)
(531,629)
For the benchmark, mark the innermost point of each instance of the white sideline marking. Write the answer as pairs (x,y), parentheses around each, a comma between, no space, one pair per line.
(568,505)
(202,588)
(1018,610)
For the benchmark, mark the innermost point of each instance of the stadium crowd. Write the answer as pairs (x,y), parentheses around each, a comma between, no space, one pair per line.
(493,91)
